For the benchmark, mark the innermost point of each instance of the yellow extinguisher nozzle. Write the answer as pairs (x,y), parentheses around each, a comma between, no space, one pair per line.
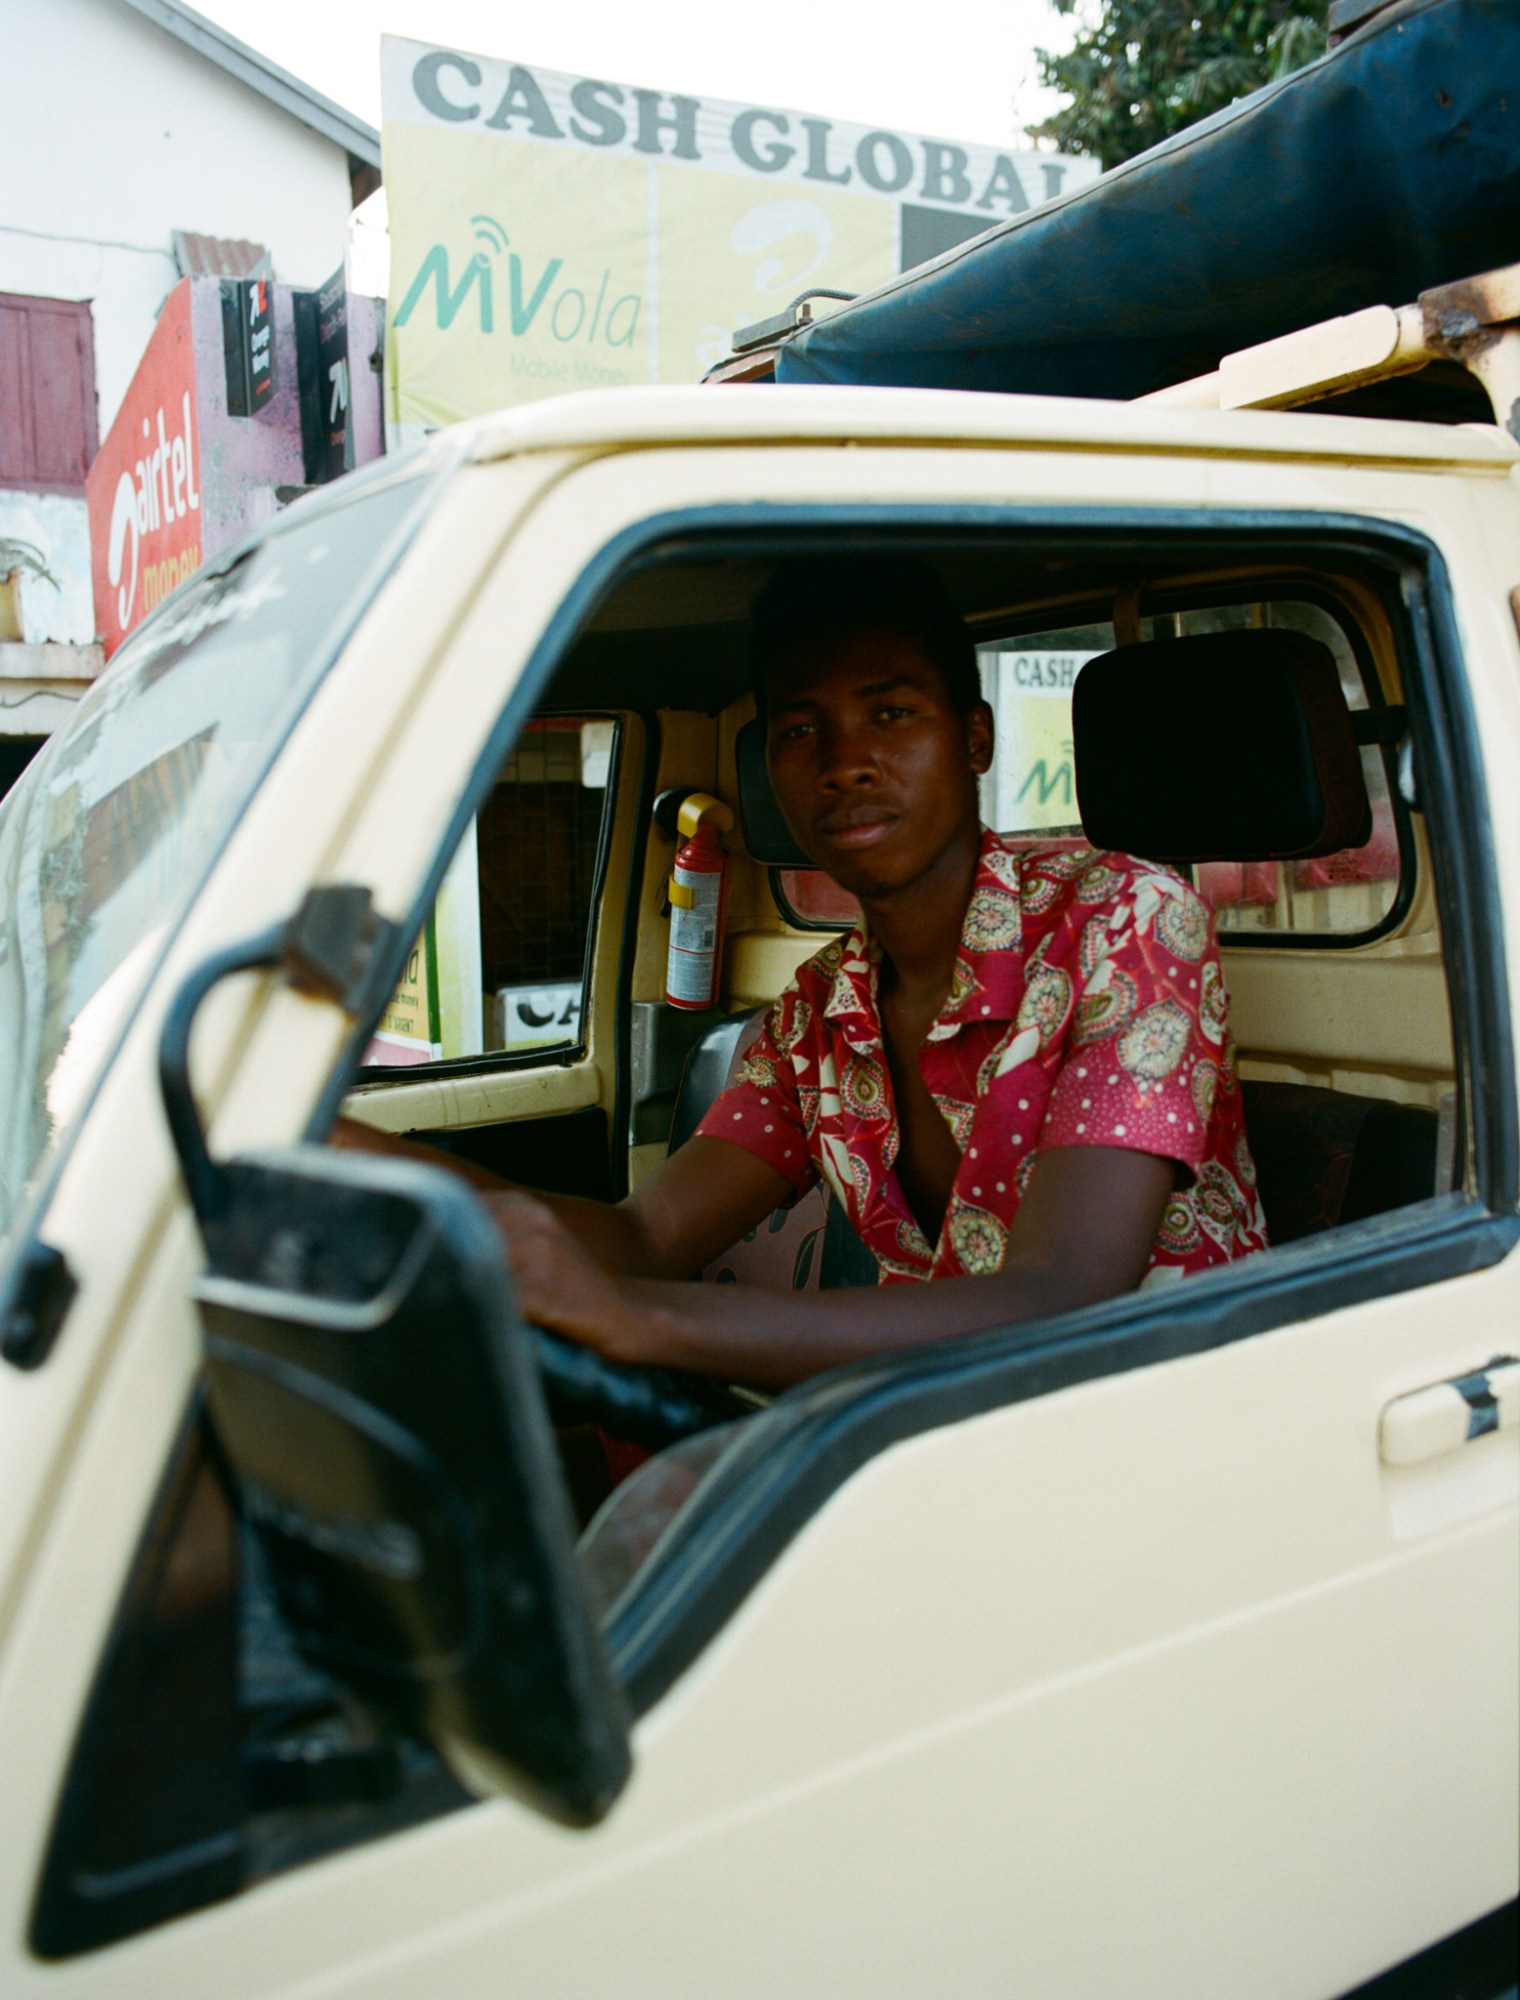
(702,809)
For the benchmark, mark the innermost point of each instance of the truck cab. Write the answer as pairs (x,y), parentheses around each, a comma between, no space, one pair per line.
(1202,1599)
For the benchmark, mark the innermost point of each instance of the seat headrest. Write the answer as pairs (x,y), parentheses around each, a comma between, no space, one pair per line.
(767,837)
(1222,746)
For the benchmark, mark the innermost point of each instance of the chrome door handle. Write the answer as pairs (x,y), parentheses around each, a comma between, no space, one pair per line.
(1428,1422)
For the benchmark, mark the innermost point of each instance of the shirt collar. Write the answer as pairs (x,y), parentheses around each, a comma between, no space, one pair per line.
(988,982)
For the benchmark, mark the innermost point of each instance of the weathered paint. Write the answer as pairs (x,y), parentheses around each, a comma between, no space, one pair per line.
(243,459)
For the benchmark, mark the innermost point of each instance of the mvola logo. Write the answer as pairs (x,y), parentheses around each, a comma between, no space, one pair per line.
(535,297)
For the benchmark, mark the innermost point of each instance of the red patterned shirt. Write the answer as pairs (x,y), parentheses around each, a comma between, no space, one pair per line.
(1087,1008)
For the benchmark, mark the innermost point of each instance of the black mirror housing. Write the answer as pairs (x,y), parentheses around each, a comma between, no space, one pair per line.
(380,1407)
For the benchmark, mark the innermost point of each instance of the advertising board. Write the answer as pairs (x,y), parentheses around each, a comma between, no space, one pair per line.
(1032,784)
(409,1031)
(552,232)
(144,489)
(247,392)
(323,328)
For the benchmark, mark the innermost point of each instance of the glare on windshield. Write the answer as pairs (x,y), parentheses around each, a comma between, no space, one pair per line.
(112,825)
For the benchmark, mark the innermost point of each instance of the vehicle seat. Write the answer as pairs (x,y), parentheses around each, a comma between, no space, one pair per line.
(801,1248)
(1324,1157)
(1252,755)
(1220,746)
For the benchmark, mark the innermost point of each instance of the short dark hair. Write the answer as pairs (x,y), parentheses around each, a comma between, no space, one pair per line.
(813,601)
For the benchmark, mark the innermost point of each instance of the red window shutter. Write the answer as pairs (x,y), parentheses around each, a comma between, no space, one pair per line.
(47,393)
(15,396)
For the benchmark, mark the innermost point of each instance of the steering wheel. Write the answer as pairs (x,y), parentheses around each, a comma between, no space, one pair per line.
(653,1407)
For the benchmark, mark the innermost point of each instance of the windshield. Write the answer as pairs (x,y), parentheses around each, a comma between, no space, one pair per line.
(112,825)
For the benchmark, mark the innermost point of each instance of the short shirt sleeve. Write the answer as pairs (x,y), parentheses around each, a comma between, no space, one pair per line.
(761,1110)
(1147,1034)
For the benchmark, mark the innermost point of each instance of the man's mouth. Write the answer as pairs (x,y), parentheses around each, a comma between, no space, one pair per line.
(857,826)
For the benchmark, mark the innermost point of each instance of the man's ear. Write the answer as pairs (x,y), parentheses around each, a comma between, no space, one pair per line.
(981,737)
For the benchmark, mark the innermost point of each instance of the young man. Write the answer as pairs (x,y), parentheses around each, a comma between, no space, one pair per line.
(1015,1072)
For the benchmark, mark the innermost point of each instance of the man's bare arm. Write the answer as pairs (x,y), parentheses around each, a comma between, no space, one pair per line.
(694,1205)
(1083,1232)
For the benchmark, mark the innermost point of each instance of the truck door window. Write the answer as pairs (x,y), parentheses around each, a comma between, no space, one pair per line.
(1032,786)
(1031,789)
(501,965)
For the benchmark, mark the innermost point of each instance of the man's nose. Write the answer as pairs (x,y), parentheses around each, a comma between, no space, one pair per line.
(846,759)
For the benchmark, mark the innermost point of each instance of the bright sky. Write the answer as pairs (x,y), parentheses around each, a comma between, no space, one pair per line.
(962,69)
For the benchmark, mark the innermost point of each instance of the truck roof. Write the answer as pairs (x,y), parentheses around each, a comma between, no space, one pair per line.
(609,419)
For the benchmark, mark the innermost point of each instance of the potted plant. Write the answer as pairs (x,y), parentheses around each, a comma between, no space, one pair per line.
(18,559)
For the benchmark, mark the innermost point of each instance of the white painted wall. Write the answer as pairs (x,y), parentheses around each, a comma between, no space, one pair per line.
(114,133)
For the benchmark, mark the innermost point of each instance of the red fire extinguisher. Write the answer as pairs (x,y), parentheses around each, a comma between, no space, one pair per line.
(698,893)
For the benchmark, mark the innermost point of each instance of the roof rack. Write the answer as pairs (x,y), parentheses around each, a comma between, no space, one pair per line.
(1475,322)
(753,354)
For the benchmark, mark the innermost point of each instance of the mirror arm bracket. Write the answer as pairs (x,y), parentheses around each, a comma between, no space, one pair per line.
(337,946)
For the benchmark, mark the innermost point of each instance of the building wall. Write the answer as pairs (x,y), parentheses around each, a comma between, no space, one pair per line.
(57,523)
(114,134)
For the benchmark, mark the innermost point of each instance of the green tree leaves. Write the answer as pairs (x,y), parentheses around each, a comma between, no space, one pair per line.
(1143,69)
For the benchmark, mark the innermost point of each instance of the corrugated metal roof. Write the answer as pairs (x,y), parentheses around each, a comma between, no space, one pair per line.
(264,76)
(216,256)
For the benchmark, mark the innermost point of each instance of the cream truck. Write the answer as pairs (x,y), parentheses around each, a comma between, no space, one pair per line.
(1168,1648)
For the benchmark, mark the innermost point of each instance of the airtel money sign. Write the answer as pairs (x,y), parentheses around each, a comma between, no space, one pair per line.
(144,488)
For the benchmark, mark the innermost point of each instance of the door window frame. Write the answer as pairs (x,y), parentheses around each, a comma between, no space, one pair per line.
(787,1461)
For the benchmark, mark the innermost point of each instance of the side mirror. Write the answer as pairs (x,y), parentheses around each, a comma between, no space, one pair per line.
(380,1408)
(381,1413)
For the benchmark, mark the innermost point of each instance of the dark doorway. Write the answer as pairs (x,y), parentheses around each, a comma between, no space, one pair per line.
(16,752)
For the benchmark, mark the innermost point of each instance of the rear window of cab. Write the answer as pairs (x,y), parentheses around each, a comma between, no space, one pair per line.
(1345,898)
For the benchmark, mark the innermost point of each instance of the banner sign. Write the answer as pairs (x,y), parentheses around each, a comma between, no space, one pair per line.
(248,343)
(332,374)
(408,1032)
(143,491)
(322,339)
(553,232)
(1032,784)
(258,328)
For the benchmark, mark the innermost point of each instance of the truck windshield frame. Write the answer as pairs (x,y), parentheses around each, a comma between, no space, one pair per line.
(114,826)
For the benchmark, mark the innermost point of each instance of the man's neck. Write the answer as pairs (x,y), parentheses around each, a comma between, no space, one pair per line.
(919,929)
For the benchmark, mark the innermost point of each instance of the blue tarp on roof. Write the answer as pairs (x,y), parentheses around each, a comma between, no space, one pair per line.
(1387,167)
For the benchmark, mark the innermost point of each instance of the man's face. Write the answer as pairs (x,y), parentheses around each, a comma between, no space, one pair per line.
(872,766)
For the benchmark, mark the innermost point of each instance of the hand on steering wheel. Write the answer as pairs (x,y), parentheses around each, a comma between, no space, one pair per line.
(653,1407)
(560,1286)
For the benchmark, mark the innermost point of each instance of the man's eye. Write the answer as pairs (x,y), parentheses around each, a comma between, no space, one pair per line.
(892,712)
(791,732)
